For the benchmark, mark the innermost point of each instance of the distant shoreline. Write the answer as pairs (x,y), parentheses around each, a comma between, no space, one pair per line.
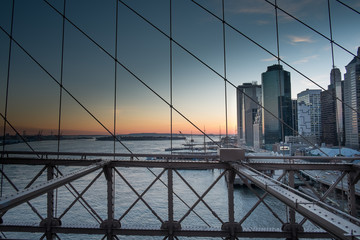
(140,138)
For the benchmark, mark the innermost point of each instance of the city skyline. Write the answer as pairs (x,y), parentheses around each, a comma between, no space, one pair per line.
(196,91)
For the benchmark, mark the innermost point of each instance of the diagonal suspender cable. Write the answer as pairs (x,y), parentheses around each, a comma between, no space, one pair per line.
(348,6)
(55,80)
(7,87)
(214,71)
(18,134)
(272,54)
(257,44)
(184,50)
(313,29)
(67,91)
(125,68)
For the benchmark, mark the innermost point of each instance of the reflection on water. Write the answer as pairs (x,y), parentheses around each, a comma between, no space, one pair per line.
(140,179)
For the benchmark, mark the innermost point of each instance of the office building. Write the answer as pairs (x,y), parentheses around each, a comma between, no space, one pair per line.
(294,118)
(248,100)
(352,103)
(276,99)
(309,115)
(332,114)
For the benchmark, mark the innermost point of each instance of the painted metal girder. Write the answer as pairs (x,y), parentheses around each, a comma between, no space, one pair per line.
(336,225)
(8,202)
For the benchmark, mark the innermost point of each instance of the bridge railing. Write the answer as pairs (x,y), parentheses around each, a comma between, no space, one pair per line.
(173,200)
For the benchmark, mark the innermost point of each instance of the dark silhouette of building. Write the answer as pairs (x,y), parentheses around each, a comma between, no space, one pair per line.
(332,114)
(248,100)
(352,103)
(276,98)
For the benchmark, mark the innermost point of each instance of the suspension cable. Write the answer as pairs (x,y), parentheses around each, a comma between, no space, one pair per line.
(272,54)
(178,44)
(213,70)
(333,76)
(313,29)
(60,94)
(67,91)
(171,76)
(225,75)
(7,87)
(115,68)
(124,67)
(281,93)
(348,6)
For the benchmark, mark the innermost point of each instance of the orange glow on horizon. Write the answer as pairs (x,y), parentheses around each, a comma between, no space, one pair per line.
(128,129)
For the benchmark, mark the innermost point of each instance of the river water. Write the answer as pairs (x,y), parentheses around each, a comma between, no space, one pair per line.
(140,179)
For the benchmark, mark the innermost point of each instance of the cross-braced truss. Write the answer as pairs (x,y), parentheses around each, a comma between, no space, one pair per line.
(109,200)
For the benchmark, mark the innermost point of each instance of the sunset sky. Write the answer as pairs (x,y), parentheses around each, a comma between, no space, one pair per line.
(196,91)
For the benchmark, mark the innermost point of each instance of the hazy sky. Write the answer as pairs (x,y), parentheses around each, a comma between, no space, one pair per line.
(196,91)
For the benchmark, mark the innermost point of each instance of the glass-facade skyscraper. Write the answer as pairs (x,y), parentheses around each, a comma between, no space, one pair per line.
(276,98)
(332,115)
(248,100)
(352,99)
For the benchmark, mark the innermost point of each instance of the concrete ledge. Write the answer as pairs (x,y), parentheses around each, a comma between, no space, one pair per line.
(231,154)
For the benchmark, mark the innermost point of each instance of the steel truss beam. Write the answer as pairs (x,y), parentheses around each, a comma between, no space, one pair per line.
(338,226)
(182,164)
(25,195)
(184,232)
(169,164)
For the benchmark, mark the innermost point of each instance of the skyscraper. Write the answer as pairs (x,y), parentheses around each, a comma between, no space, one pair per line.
(294,118)
(332,125)
(309,114)
(248,99)
(276,98)
(352,103)
(310,128)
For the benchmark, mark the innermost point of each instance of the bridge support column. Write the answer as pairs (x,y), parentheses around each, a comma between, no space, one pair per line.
(231,226)
(50,221)
(110,223)
(291,184)
(170,225)
(292,226)
(351,194)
